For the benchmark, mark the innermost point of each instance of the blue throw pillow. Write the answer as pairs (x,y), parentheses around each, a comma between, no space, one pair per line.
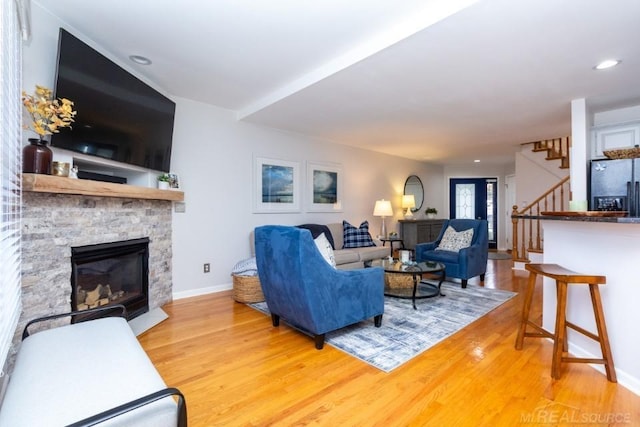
(356,237)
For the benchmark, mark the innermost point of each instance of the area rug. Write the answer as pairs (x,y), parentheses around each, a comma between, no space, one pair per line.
(499,255)
(405,332)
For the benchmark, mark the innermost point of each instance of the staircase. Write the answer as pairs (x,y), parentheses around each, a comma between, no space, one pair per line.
(557,149)
(527,236)
(527,232)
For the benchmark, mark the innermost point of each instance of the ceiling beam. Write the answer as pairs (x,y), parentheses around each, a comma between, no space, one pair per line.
(433,12)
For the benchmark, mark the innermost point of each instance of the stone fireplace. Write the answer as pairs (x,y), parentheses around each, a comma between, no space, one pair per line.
(55,223)
(59,214)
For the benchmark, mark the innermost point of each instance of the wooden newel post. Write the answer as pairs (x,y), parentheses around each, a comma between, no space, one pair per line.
(514,238)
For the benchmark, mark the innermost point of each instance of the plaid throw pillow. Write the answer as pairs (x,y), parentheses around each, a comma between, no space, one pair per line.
(356,237)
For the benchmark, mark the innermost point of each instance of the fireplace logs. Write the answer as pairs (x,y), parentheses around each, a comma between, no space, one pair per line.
(101,295)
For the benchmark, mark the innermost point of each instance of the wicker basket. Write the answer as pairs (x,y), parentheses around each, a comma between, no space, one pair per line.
(623,153)
(398,281)
(247,289)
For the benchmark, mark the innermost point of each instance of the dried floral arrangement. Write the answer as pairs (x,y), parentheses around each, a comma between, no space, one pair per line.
(48,114)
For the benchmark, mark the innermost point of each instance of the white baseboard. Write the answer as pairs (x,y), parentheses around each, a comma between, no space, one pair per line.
(624,379)
(202,291)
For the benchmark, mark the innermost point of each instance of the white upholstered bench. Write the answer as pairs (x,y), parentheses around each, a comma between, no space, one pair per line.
(88,373)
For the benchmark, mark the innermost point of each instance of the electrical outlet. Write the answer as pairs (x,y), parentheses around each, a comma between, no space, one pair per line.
(207,267)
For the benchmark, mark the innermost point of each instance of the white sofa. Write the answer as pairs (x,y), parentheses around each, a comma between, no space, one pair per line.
(354,257)
(83,373)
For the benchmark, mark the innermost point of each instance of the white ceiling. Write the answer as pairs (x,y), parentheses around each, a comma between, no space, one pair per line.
(445,81)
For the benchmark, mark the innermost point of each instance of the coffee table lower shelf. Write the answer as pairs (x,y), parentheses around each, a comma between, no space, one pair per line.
(408,281)
(422,290)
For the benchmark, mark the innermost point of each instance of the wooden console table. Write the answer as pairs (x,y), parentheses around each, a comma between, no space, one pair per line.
(420,231)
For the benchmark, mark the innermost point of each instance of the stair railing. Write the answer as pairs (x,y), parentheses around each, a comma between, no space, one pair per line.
(527,236)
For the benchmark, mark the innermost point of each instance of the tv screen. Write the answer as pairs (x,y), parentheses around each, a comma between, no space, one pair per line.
(119,117)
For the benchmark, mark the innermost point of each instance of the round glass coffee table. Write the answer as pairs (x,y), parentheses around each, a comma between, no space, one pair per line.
(415,271)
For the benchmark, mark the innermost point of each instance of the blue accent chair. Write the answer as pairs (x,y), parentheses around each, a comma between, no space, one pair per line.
(468,262)
(308,293)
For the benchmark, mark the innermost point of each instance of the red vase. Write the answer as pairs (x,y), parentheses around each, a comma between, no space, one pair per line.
(37,157)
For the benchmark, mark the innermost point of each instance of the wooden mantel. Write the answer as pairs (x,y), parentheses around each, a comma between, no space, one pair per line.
(62,185)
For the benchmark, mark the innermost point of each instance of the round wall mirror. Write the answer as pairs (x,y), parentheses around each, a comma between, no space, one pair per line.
(413,185)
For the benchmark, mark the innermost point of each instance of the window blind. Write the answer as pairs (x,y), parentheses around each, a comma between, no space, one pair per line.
(10,174)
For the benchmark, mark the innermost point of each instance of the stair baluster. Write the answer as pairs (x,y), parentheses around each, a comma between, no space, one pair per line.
(527,237)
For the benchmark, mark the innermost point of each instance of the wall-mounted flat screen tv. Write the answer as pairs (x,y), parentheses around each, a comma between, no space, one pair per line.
(119,117)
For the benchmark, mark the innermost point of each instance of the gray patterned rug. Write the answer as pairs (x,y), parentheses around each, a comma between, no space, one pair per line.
(405,332)
(499,255)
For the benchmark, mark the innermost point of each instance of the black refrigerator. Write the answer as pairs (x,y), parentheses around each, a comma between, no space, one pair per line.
(615,186)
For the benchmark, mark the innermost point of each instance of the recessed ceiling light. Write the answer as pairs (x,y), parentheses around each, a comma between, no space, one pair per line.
(138,59)
(607,64)
(476,161)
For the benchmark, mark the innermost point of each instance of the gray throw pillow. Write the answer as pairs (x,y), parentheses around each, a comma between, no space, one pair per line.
(453,240)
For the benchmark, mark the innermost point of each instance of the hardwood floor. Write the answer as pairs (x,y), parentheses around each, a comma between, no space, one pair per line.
(235,369)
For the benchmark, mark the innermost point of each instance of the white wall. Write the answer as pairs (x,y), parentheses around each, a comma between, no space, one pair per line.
(213,155)
(535,175)
(580,148)
(620,115)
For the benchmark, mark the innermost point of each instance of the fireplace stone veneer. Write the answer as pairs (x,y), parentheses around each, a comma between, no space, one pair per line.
(53,223)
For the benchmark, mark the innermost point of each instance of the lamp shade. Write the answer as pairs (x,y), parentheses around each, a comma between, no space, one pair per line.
(408,201)
(383,208)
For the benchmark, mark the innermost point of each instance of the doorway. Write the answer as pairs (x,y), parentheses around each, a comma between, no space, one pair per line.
(510,201)
(475,198)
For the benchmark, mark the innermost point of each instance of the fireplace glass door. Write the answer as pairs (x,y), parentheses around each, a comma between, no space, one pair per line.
(111,273)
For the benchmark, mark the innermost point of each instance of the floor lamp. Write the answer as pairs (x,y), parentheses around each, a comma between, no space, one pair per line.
(383,209)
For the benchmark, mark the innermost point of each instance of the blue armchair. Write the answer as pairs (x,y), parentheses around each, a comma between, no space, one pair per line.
(307,292)
(468,262)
